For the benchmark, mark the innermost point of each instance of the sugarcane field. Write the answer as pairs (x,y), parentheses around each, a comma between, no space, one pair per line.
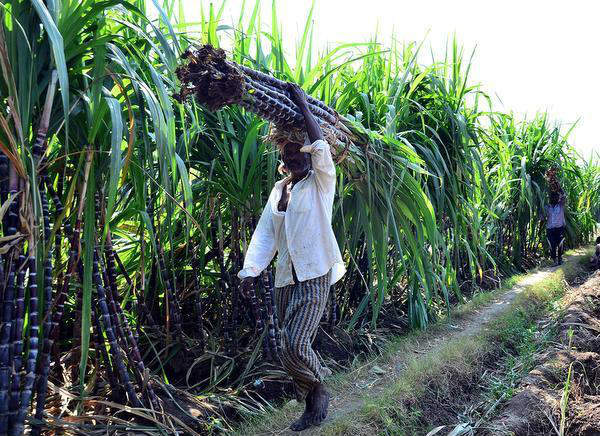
(320,217)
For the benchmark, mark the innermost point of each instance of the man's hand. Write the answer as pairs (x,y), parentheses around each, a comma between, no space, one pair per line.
(297,95)
(246,286)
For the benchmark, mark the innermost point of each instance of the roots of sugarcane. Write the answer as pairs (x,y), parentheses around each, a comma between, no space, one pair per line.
(210,78)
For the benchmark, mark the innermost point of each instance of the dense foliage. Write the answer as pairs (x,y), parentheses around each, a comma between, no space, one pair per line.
(136,209)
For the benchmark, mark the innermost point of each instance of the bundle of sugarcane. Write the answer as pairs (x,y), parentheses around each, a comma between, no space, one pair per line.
(216,82)
(552,179)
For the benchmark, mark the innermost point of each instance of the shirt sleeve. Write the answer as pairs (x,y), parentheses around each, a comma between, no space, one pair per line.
(262,246)
(322,164)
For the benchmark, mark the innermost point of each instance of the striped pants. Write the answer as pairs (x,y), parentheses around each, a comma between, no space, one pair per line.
(301,307)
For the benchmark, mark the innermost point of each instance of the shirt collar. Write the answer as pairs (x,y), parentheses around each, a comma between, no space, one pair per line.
(279,184)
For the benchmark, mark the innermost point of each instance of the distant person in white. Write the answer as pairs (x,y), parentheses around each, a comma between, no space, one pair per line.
(555,225)
(296,223)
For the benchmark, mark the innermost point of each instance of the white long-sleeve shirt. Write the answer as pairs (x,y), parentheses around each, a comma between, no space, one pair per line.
(302,236)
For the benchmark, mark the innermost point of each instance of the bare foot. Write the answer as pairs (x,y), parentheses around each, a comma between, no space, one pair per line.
(305,420)
(320,400)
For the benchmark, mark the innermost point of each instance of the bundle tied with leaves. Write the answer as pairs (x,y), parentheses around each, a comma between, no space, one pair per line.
(216,82)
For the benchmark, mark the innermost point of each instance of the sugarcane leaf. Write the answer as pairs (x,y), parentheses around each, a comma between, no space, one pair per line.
(5,206)
(302,47)
(213,39)
(58,52)
(167,22)
(115,159)
(89,242)
(187,189)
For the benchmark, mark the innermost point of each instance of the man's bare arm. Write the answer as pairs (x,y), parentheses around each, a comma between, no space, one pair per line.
(312,126)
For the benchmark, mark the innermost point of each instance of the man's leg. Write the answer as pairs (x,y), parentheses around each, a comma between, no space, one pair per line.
(304,311)
(561,244)
(553,244)
(282,300)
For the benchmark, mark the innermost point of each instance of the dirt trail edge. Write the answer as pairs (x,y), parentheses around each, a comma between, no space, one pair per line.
(370,380)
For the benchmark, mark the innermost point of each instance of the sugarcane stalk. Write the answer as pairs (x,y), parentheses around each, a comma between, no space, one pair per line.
(8,312)
(276,319)
(221,285)
(59,209)
(198,305)
(110,334)
(107,283)
(283,97)
(233,287)
(5,355)
(199,320)
(62,290)
(101,349)
(271,314)
(38,148)
(258,321)
(42,383)
(173,308)
(17,339)
(75,354)
(282,87)
(4,185)
(333,312)
(131,347)
(30,364)
(261,92)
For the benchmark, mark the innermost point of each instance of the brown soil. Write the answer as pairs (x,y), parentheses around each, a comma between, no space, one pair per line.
(536,409)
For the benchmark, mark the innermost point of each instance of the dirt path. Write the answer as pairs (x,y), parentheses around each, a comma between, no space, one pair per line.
(370,380)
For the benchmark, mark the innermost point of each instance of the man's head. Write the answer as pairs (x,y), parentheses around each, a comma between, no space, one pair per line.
(295,162)
(554,198)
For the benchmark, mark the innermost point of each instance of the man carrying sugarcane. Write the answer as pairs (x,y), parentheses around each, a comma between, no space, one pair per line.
(296,223)
(555,225)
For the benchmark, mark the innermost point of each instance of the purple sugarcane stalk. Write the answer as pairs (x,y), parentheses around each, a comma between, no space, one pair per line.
(44,367)
(110,335)
(5,355)
(30,365)
(17,339)
(281,86)
(100,348)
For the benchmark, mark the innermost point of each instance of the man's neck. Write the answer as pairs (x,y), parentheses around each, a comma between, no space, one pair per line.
(297,177)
